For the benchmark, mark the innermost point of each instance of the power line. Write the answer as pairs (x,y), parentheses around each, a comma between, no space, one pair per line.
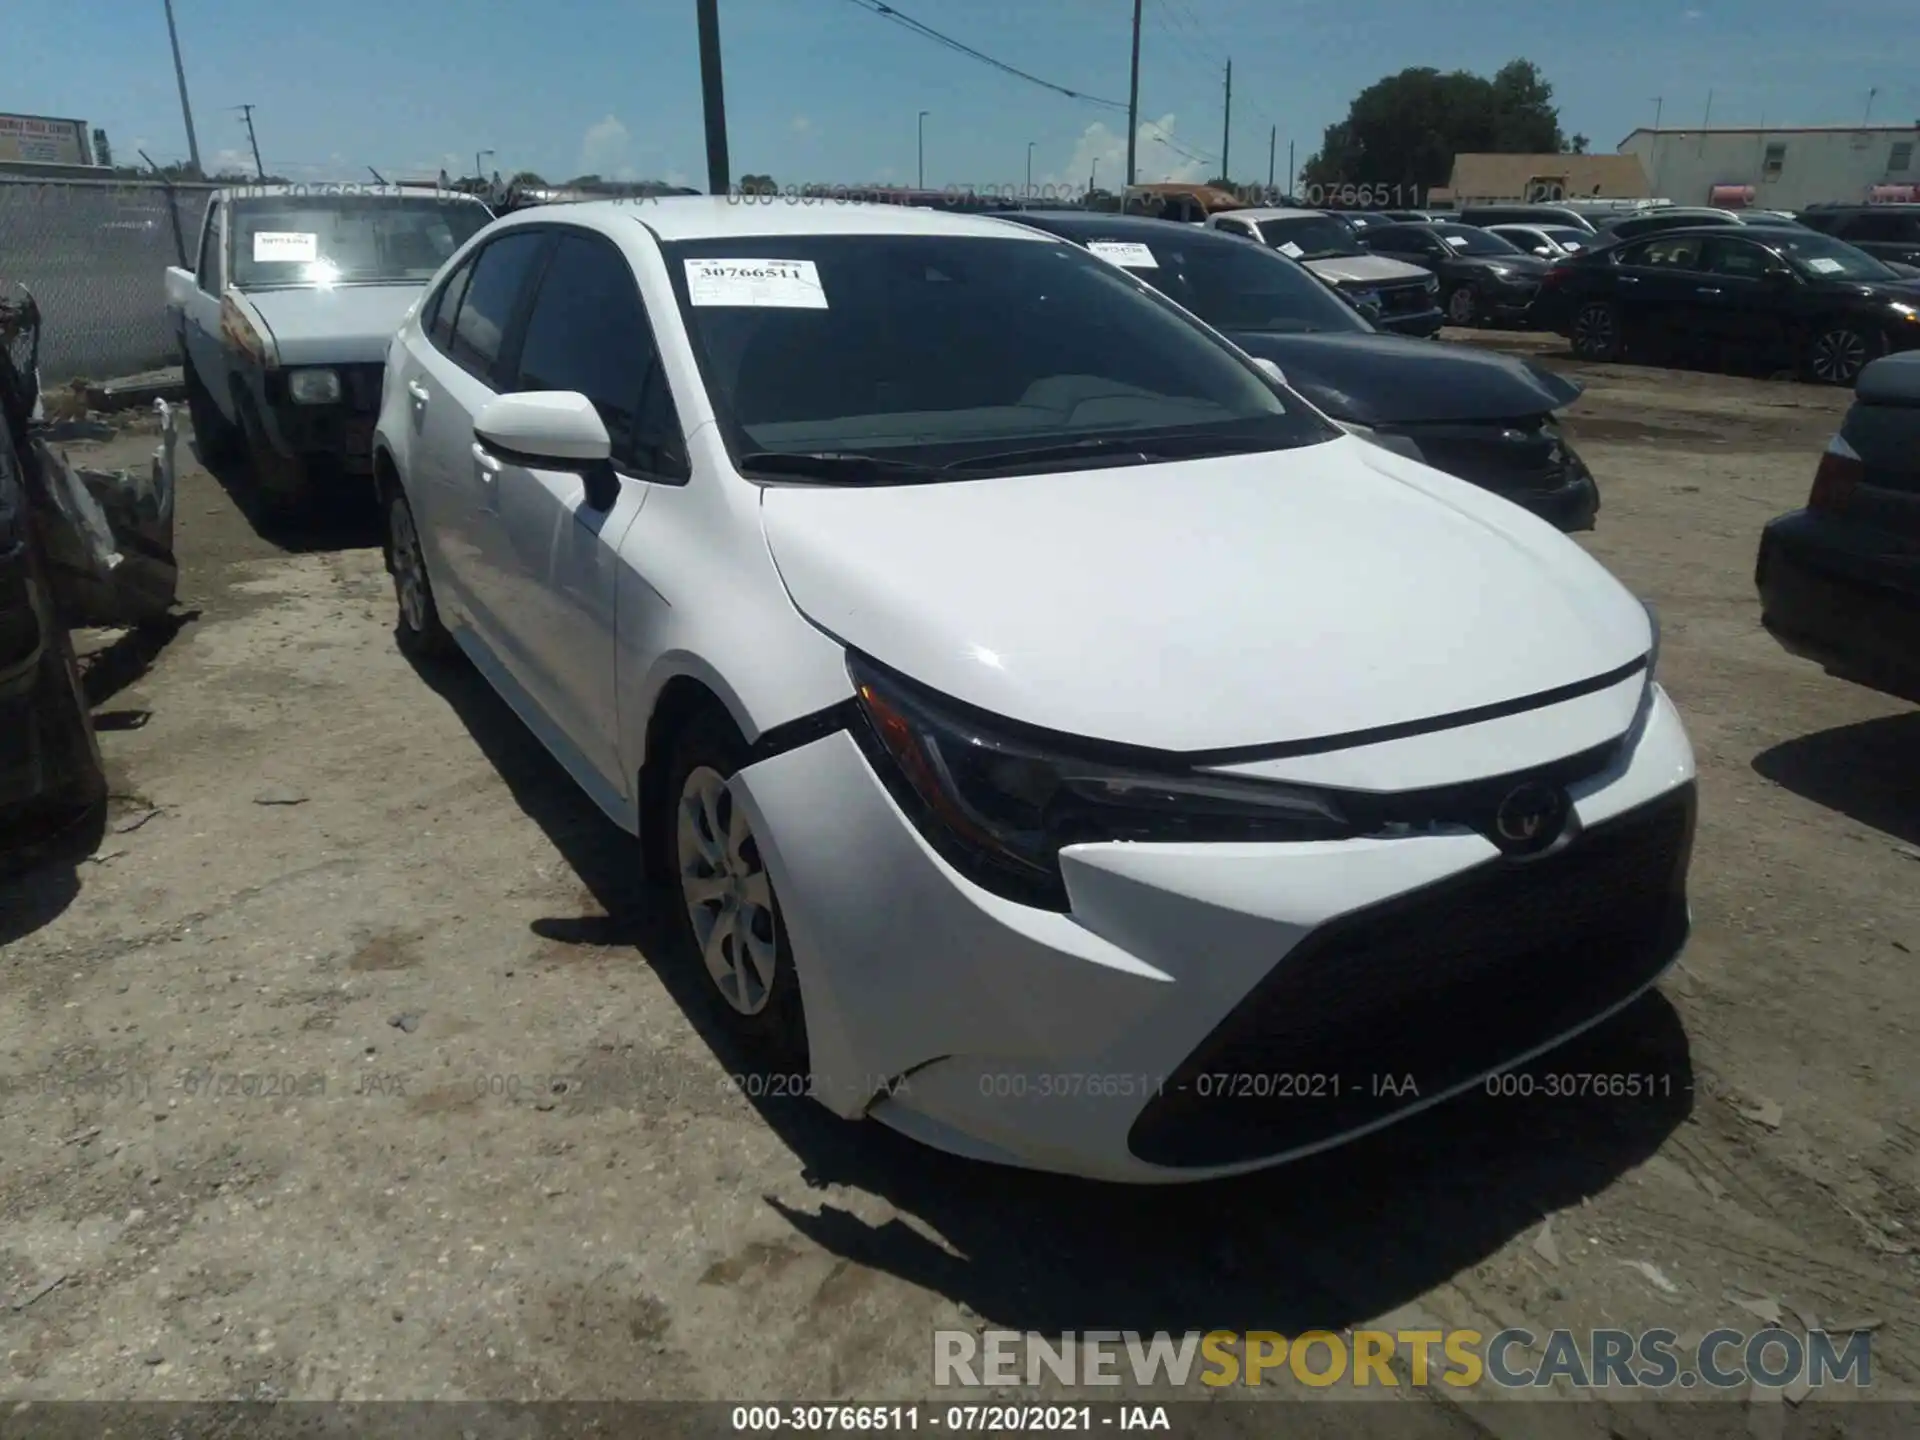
(888,12)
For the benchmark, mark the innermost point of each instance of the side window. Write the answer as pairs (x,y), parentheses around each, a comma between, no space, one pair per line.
(445,306)
(1680,253)
(1736,259)
(500,275)
(588,333)
(209,269)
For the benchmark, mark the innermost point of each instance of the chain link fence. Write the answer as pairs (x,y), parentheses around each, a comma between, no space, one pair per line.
(93,254)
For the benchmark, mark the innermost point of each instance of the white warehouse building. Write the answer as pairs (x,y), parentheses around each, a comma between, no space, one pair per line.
(1779,169)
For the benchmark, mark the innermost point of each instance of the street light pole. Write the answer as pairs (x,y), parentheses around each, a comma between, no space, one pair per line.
(479,170)
(186,110)
(714,98)
(921,182)
(1030,145)
(1133,98)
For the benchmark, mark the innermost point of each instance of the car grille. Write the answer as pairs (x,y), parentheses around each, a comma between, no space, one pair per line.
(1499,455)
(1411,299)
(360,387)
(1439,987)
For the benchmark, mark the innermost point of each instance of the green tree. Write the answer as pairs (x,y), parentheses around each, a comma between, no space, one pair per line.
(758,185)
(1404,130)
(528,177)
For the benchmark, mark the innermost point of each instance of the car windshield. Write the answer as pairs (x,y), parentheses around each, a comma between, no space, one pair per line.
(1824,257)
(1311,237)
(858,358)
(1233,285)
(1468,240)
(348,239)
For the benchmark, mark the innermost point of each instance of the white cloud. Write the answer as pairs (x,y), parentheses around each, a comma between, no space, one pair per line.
(1691,14)
(801,125)
(1153,160)
(603,149)
(232,160)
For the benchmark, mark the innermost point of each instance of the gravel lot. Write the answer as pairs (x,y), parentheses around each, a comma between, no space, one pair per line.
(493,1151)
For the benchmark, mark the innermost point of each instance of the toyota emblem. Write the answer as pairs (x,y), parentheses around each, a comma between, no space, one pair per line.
(1530,818)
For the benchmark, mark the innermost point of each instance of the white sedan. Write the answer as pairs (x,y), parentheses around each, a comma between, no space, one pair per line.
(1063,743)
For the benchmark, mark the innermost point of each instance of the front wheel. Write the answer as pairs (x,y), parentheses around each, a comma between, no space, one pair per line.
(1596,331)
(729,914)
(1463,307)
(1837,355)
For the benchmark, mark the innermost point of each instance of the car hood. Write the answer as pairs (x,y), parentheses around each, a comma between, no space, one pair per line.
(1363,269)
(1390,379)
(1205,604)
(344,325)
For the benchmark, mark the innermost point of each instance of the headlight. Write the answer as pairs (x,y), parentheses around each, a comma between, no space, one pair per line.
(1398,444)
(1432,284)
(1904,310)
(998,802)
(1653,655)
(313,387)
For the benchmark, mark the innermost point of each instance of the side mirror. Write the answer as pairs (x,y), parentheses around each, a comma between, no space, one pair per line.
(553,429)
(557,428)
(1273,371)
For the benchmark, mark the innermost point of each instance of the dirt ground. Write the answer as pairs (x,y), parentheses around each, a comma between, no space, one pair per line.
(486,1146)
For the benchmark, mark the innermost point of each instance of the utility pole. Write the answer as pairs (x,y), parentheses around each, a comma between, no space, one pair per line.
(1273,148)
(479,170)
(186,110)
(1133,98)
(1226,133)
(921,183)
(1291,172)
(246,113)
(1869,113)
(1093,175)
(1030,145)
(1659,103)
(714,97)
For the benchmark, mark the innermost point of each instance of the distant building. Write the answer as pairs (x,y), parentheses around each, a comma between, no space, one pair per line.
(1542,179)
(1779,169)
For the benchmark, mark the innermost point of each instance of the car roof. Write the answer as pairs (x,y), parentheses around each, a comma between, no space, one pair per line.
(334,190)
(718,217)
(1258,213)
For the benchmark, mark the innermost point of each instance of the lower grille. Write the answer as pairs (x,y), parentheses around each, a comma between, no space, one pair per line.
(360,387)
(1429,990)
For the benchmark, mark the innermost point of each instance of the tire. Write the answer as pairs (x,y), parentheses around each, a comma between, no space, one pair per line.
(417,628)
(740,943)
(1596,331)
(1463,307)
(279,481)
(1837,354)
(214,436)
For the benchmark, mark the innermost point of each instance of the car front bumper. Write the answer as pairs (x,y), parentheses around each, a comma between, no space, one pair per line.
(1421,324)
(1205,1010)
(328,440)
(1833,593)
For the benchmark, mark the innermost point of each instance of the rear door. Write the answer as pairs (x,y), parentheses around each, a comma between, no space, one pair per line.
(456,378)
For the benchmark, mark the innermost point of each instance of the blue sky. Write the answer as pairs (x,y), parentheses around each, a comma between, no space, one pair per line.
(824,90)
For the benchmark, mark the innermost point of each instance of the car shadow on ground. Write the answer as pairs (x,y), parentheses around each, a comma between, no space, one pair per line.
(40,878)
(345,519)
(1325,1242)
(1869,771)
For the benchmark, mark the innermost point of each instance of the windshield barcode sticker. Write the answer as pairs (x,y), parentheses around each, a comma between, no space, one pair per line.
(1823,265)
(1129,253)
(285,246)
(1291,250)
(756,284)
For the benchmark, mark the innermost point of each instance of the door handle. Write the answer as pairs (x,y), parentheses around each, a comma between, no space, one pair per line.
(1629,279)
(1707,290)
(418,391)
(487,464)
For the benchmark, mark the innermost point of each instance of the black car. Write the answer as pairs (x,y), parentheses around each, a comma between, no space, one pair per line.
(1887,232)
(1657,222)
(1525,215)
(1778,295)
(1839,580)
(1484,278)
(1484,417)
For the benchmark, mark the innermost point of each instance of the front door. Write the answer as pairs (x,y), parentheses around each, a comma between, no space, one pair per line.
(200,314)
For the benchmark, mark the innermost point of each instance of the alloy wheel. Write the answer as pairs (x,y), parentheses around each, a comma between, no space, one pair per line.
(1463,306)
(1839,356)
(727,892)
(1593,330)
(409,567)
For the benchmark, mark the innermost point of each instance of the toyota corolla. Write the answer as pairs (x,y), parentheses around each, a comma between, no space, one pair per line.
(1061,742)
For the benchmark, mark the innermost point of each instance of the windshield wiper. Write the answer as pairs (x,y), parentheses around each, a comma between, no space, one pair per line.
(844,467)
(1143,449)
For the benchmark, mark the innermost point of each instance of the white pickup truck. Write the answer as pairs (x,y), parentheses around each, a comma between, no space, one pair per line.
(285,317)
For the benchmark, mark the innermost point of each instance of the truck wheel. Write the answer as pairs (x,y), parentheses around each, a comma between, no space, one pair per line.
(279,481)
(214,435)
